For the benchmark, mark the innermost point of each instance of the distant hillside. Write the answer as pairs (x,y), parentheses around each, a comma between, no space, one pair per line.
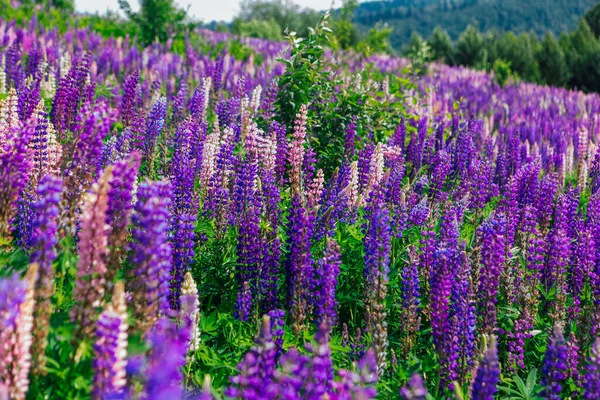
(422,16)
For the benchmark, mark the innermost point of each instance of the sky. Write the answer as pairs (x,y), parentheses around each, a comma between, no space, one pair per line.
(203,10)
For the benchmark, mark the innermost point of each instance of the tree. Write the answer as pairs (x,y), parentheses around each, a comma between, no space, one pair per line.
(346,35)
(269,30)
(441,46)
(157,19)
(470,47)
(552,63)
(285,12)
(592,17)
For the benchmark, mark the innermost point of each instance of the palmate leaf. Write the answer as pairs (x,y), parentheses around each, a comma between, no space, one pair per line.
(521,390)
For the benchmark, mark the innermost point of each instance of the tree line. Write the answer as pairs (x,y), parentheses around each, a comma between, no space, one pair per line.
(571,60)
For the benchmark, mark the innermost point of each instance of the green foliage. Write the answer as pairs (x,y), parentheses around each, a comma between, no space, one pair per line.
(376,41)
(571,61)
(470,47)
(286,13)
(552,62)
(441,45)
(592,17)
(519,390)
(269,30)
(345,33)
(454,16)
(502,71)
(331,102)
(419,52)
(156,19)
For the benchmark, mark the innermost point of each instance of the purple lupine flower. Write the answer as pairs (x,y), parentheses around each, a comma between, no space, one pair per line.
(184,210)
(224,113)
(358,385)
(151,253)
(415,390)
(449,226)
(493,243)
(271,243)
(179,102)
(559,251)
(357,347)
(300,273)
(399,137)
(326,274)
(248,205)
(591,385)
(118,214)
(82,158)
(581,267)
(257,369)
(462,322)
(268,102)
(110,355)
(364,164)
(487,376)
(156,122)
(42,243)
(441,169)
(418,214)
(545,201)
(243,303)
(463,151)
(441,289)
(411,301)
(129,99)
(218,198)
(277,323)
(554,367)
(70,94)
(39,145)
(15,167)
(29,98)
(164,371)
(217,73)
(377,262)
(573,360)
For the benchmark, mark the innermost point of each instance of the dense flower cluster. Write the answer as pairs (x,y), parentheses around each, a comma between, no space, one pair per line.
(160,209)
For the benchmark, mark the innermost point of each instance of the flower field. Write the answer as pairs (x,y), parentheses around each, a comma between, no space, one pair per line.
(245,219)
